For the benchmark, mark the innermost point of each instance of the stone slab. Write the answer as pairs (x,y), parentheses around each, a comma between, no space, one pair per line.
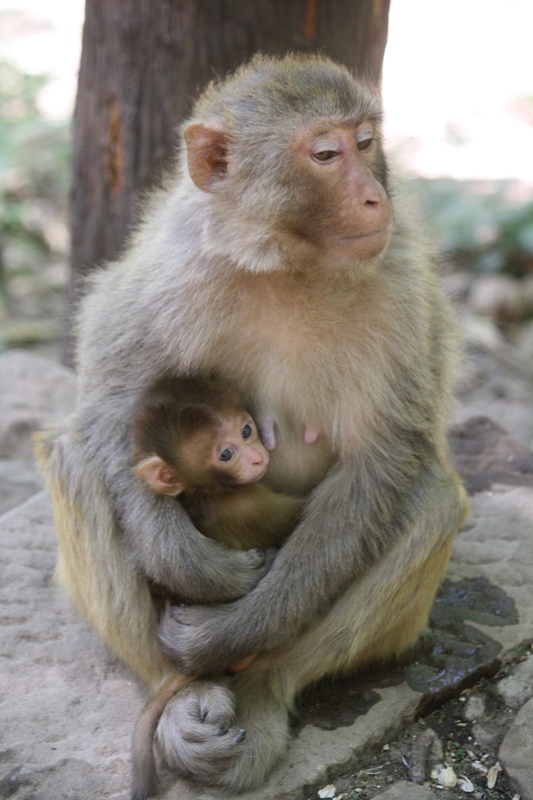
(497,382)
(33,391)
(516,752)
(517,688)
(69,708)
(19,479)
(483,453)
(404,790)
(496,544)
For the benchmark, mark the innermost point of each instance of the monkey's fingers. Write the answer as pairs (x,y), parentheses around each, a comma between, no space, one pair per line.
(243,664)
(197,733)
(252,565)
(270,557)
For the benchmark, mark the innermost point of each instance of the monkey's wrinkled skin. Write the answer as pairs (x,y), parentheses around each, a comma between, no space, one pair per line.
(280,261)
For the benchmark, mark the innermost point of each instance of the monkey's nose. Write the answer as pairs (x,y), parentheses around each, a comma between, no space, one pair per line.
(260,459)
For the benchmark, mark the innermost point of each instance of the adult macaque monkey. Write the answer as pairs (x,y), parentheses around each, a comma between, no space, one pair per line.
(279,261)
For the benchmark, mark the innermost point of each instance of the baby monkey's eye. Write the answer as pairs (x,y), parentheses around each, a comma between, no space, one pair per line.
(226,455)
(247,431)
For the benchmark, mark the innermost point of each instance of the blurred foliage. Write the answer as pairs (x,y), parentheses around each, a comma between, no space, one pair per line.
(34,177)
(482,225)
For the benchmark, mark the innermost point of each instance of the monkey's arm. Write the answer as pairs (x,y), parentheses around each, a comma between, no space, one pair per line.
(361,512)
(102,515)
(166,547)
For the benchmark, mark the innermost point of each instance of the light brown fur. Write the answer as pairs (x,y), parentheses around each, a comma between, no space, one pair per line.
(290,281)
(245,517)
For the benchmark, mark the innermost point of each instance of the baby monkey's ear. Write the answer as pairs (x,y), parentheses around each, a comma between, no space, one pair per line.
(160,476)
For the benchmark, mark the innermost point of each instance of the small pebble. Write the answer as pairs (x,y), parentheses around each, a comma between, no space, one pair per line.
(447,778)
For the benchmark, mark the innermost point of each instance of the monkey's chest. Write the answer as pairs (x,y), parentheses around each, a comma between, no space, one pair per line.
(286,360)
(301,373)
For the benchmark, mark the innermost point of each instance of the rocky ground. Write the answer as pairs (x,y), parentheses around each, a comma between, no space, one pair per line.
(453,720)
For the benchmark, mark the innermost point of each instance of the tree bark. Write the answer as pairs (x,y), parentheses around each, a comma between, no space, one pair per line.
(144,62)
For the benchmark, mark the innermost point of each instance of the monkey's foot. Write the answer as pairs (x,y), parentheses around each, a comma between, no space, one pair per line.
(199,737)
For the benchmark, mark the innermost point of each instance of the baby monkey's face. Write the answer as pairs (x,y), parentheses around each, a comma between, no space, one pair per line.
(238,455)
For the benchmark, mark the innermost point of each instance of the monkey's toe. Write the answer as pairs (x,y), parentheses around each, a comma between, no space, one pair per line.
(235,755)
(196,735)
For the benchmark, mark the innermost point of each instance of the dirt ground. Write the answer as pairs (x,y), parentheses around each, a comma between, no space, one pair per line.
(462,751)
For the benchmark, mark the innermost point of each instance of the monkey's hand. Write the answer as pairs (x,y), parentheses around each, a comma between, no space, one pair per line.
(231,574)
(184,632)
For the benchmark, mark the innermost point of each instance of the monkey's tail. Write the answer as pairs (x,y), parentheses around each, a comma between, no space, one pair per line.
(144,773)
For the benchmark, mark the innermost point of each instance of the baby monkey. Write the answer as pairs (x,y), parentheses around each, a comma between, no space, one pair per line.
(193,438)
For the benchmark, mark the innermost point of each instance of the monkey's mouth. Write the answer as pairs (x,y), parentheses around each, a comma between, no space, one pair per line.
(360,236)
(259,475)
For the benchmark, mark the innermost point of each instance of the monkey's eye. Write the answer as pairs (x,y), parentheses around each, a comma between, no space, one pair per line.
(325,155)
(364,140)
(226,455)
(247,431)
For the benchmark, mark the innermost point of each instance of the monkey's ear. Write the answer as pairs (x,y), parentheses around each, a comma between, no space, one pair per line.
(159,476)
(206,155)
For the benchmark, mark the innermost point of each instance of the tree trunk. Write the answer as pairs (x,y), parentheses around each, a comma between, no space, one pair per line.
(143,64)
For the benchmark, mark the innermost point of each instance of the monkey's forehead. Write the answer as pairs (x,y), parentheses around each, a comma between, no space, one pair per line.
(299,87)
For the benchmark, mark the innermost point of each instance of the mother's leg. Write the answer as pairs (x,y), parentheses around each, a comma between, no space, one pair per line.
(200,733)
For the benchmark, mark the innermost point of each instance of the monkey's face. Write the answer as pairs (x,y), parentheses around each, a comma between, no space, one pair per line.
(290,150)
(324,201)
(238,457)
(342,207)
